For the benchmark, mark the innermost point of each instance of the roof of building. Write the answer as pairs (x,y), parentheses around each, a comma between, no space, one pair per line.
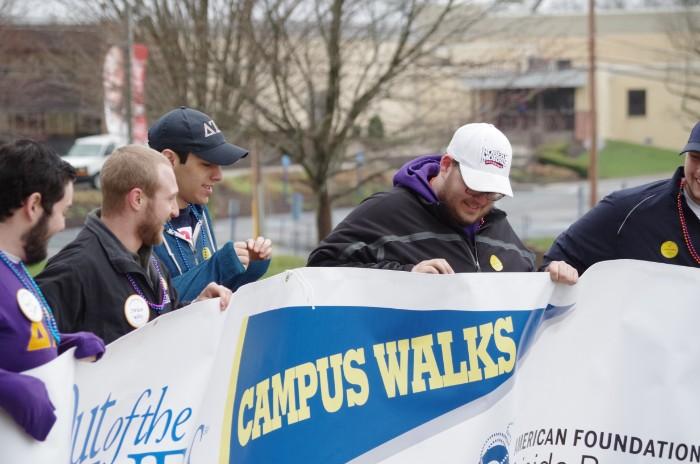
(568,78)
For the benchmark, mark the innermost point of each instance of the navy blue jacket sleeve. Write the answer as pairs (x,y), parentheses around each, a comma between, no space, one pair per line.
(255,270)
(591,239)
(223,268)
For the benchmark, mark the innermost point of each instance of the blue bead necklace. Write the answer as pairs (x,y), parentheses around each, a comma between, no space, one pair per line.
(31,285)
(202,235)
(164,297)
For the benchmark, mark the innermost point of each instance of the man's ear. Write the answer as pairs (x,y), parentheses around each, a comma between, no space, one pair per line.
(172,157)
(445,163)
(32,207)
(136,199)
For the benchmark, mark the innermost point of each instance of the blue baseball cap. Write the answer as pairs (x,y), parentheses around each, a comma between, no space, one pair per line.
(694,140)
(186,130)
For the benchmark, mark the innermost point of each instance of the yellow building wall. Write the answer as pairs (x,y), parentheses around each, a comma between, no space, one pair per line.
(633,52)
(664,125)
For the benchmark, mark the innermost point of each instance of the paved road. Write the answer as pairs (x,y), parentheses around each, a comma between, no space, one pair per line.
(535,211)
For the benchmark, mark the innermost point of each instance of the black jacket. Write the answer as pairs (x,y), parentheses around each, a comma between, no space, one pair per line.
(398,229)
(86,283)
(637,223)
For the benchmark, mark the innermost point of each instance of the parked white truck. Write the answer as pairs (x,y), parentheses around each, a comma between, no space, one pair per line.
(88,154)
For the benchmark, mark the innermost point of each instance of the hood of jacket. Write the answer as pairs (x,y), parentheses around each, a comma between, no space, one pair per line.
(416,174)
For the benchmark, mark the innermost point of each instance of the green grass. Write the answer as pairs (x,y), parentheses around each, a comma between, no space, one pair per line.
(273,183)
(281,263)
(540,243)
(617,159)
(34,269)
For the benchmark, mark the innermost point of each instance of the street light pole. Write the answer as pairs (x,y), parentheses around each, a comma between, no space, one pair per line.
(127,84)
(593,151)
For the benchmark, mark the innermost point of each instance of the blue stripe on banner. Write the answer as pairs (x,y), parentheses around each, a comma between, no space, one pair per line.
(331,383)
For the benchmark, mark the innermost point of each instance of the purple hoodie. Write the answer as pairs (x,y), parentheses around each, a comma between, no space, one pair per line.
(415,176)
(23,345)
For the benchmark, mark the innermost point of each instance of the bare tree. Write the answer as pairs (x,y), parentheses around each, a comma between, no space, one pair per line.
(323,64)
(303,75)
(196,51)
(683,80)
(8,9)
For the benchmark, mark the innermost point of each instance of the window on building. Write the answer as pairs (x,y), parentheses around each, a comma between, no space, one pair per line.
(537,64)
(636,103)
(563,64)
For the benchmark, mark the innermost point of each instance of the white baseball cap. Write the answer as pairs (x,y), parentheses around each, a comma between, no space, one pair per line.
(484,155)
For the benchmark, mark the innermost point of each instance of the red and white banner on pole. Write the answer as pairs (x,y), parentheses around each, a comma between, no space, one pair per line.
(114,81)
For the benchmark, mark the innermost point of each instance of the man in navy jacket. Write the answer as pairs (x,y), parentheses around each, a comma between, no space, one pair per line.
(197,149)
(656,222)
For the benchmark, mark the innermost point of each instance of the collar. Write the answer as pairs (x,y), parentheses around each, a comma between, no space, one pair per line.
(122,259)
(196,212)
(14,259)
(673,185)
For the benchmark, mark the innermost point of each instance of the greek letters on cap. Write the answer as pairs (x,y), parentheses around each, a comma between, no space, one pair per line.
(210,128)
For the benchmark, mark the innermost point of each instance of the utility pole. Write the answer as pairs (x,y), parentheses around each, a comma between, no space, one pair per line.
(128,66)
(257,193)
(593,151)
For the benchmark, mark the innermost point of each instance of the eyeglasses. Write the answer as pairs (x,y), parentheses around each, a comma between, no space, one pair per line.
(490,196)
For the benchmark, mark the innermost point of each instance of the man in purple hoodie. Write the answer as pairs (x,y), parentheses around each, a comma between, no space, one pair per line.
(37,191)
(440,216)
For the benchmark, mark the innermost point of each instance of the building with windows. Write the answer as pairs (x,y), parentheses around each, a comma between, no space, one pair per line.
(50,82)
(529,76)
(539,92)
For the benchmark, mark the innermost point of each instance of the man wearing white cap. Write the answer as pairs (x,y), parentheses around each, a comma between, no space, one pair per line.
(440,216)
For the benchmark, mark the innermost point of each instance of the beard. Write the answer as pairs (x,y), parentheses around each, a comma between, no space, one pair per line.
(150,231)
(36,241)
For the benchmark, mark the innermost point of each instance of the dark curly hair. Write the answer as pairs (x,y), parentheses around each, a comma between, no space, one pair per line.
(27,167)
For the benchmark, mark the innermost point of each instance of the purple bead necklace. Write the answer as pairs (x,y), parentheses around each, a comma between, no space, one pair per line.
(164,297)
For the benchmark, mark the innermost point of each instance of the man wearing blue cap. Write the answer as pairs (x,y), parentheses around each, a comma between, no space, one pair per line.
(657,222)
(197,149)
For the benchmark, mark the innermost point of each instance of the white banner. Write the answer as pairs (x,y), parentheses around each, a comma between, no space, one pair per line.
(338,365)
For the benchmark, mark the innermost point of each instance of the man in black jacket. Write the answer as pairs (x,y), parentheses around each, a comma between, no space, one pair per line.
(659,221)
(440,216)
(108,281)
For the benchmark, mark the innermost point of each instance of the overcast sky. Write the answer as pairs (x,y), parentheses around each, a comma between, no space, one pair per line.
(53,10)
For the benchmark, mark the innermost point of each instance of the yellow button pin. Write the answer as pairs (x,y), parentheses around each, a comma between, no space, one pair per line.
(669,249)
(496,263)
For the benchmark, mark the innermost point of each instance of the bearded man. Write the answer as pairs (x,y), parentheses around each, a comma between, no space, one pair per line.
(107,280)
(440,217)
(37,191)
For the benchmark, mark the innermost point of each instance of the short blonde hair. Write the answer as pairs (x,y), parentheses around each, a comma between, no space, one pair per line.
(129,167)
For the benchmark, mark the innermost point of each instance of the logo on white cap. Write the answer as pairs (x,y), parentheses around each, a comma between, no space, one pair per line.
(494,157)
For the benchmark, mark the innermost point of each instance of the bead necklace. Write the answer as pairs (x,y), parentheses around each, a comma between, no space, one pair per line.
(164,297)
(31,285)
(684,226)
(202,235)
